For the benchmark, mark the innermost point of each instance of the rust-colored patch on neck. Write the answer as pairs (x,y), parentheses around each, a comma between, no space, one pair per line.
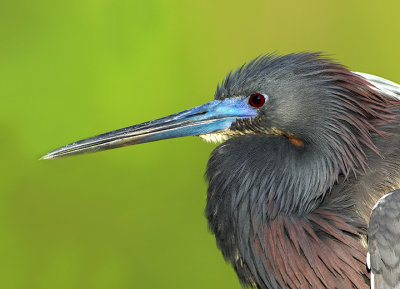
(296,141)
(292,138)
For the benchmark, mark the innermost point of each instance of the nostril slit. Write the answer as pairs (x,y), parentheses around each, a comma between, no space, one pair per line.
(196,114)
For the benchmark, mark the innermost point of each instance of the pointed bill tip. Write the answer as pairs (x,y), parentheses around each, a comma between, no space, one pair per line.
(51,155)
(48,156)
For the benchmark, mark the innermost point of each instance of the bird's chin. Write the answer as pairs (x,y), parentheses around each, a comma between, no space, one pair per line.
(223,135)
(216,137)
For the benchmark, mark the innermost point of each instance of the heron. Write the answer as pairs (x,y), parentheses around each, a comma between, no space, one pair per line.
(308,149)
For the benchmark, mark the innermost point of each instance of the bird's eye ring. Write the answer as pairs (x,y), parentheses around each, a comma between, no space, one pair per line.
(257,99)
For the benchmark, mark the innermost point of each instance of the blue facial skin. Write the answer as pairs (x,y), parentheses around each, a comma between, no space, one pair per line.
(214,116)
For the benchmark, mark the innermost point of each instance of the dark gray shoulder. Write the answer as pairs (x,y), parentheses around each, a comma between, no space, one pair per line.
(384,242)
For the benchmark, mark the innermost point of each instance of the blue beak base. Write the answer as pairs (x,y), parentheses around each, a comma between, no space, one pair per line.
(214,116)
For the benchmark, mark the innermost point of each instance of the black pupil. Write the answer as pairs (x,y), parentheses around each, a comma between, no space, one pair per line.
(257,99)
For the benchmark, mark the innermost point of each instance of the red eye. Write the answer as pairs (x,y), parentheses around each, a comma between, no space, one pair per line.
(257,100)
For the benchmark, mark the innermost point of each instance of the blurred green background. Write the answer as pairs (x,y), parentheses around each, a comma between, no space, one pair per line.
(133,217)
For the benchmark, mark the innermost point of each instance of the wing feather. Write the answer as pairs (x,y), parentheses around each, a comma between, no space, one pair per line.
(384,242)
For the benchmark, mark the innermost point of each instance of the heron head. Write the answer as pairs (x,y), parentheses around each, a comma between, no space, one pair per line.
(305,97)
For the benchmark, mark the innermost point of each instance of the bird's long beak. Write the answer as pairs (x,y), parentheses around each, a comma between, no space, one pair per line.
(214,116)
